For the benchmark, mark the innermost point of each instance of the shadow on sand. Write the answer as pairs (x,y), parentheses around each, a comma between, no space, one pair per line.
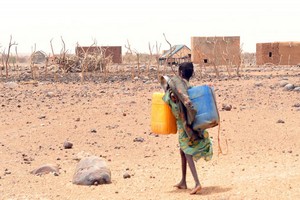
(213,190)
(205,190)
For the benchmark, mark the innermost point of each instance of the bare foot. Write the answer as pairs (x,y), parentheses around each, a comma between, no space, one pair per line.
(196,189)
(181,186)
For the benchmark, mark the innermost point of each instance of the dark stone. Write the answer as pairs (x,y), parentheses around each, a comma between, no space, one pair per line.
(296,105)
(139,139)
(280,121)
(93,130)
(126,175)
(226,107)
(68,145)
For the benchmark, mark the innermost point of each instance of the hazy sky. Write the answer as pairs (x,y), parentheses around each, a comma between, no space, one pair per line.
(113,22)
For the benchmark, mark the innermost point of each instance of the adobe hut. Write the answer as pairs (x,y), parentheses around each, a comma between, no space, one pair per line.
(38,57)
(176,55)
(216,50)
(278,53)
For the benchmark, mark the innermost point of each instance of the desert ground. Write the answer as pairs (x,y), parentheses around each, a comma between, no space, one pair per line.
(111,119)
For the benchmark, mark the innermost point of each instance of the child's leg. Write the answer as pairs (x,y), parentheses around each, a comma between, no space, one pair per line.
(191,163)
(182,183)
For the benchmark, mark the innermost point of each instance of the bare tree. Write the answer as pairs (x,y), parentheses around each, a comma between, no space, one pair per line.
(101,59)
(84,61)
(2,59)
(61,62)
(157,55)
(128,47)
(170,54)
(199,54)
(52,48)
(215,58)
(53,65)
(8,55)
(225,56)
(238,65)
(62,56)
(150,58)
(46,66)
(17,59)
(33,68)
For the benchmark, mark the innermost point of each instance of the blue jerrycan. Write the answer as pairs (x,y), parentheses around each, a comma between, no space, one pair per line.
(203,99)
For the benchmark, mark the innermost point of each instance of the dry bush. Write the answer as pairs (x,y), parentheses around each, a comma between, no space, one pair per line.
(249,59)
(129,58)
(23,59)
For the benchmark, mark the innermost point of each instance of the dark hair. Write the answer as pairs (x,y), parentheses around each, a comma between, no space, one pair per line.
(186,69)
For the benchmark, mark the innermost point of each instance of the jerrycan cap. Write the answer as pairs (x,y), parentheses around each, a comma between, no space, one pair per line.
(164,81)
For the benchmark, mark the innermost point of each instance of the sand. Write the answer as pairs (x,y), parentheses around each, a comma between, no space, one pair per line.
(112,120)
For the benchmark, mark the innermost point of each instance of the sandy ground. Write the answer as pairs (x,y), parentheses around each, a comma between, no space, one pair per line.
(103,119)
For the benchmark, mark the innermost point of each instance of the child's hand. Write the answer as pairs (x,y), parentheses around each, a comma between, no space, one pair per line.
(173,97)
(194,137)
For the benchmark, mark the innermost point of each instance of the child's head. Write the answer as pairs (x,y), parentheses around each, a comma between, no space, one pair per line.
(186,70)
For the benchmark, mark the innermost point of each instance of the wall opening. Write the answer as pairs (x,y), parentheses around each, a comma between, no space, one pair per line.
(205,60)
(270,54)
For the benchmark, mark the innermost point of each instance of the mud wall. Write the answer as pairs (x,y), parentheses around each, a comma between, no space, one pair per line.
(216,50)
(278,53)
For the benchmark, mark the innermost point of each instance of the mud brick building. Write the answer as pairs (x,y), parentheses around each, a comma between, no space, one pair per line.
(278,53)
(216,50)
(114,51)
(176,55)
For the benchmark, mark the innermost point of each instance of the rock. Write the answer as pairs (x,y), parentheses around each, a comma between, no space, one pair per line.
(296,105)
(297,89)
(92,170)
(139,139)
(55,174)
(288,87)
(7,172)
(93,130)
(68,145)
(11,85)
(283,83)
(258,84)
(280,121)
(50,94)
(42,117)
(126,175)
(45,169)
(226,107)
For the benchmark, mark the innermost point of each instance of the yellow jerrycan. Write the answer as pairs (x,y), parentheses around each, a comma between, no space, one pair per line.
(162,119)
